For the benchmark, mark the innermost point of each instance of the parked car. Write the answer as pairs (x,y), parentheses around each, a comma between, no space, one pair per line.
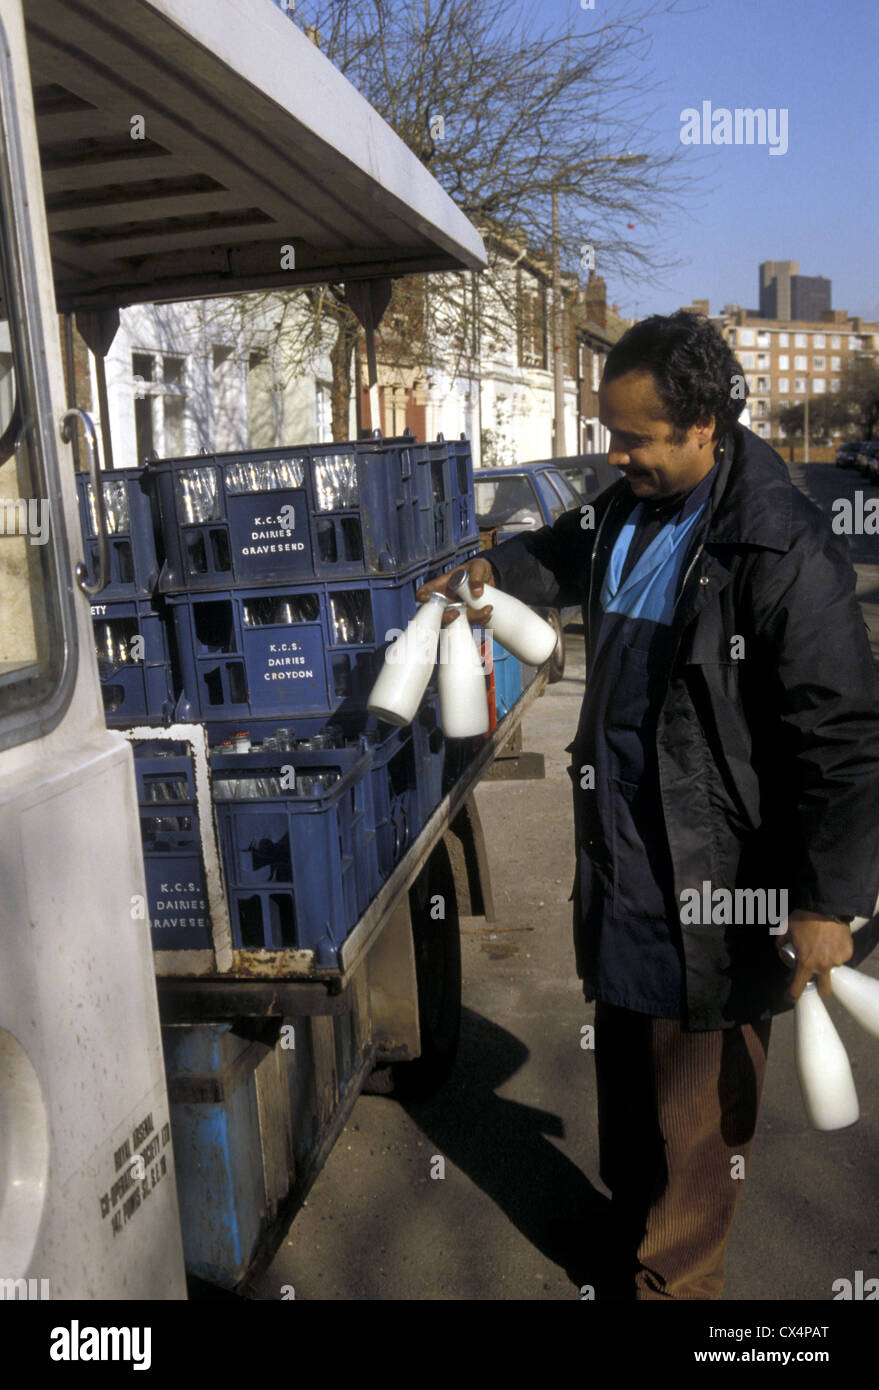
(847,454)
(511,501)
(868,460)
(588,474)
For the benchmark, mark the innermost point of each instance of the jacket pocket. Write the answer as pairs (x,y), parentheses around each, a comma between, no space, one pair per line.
(641,874)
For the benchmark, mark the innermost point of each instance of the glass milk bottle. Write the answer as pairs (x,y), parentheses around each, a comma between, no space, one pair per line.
(822,1063)
(859,994)
(516,626)
(461,680)
(408,665)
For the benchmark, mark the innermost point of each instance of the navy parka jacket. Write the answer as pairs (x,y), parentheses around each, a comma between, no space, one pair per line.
(768,735)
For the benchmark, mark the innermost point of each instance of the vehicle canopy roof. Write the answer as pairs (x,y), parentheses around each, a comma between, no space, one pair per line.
(185,145)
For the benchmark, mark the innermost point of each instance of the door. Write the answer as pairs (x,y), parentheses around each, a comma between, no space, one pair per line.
(88,1205)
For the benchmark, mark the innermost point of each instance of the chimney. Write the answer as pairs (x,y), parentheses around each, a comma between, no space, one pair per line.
(596,300)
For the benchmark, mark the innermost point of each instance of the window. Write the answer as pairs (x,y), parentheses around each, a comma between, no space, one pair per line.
(763,430)
(552,501)
(818,364)
(818,340)
(746,359)
(783,384)
(142,365)
(784,363)
(145,442)
(533,323)
(784,340)
(782,402)
(37,623)
(323,422)
(801,340)
(173,370)
(762,383)
(564,488)
(801,363)
(835,384)
(762,361)
(800,385)
(763,408)
(731,337)
(836,364)
(159,383)
(746,337)
(763,339)
(819,385)
(835,340)
(510,502)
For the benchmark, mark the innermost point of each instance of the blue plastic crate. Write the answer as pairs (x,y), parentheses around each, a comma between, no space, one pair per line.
(395,807)
(301,864)
(511,678)
(288,652)
(267,516)
(134,558)
(136,678)
(430,754)
(171,837)
(464,511)
(217,1151)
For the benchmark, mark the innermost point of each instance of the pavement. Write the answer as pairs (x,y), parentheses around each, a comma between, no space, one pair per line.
(491,1191)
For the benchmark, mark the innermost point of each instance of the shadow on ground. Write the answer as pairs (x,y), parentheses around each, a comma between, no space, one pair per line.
(504,1147)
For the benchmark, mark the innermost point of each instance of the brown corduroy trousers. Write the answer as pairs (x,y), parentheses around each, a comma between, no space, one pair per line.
(677,1113)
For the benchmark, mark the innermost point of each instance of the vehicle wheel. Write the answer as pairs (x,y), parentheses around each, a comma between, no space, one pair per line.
(557,660)
(437,944)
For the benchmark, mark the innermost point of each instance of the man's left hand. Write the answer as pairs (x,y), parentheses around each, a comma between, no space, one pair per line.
(820,943)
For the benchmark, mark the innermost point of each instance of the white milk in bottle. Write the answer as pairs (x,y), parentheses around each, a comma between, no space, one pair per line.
(516,626)
(463,697)
(822,1063)
(408,665)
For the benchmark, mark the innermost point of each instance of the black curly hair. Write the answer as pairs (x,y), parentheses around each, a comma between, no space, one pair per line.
(695,371)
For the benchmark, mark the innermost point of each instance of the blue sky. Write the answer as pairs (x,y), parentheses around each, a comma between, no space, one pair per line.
(818,203)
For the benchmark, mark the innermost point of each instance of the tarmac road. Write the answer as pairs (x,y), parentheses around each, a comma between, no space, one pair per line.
(518,1213)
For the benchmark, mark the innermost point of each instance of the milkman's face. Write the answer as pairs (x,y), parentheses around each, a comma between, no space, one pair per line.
(642,444)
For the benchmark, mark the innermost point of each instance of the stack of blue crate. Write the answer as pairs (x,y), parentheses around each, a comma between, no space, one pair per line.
(285,573)
(128,616)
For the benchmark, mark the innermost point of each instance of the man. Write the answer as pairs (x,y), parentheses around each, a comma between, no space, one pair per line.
(728,739)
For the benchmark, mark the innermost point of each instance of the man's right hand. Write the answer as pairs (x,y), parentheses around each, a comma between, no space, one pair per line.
(480,572)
